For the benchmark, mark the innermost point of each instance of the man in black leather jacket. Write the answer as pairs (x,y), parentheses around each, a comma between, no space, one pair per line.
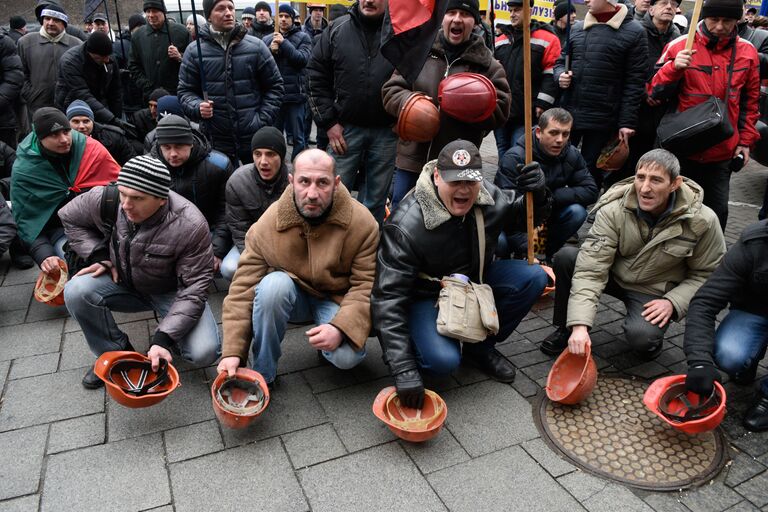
(433,232)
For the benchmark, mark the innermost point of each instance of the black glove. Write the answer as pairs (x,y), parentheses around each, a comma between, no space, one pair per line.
(531,178)
(410,389)
(701,379)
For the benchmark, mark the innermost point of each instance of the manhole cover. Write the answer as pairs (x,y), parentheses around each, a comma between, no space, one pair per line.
(614,436)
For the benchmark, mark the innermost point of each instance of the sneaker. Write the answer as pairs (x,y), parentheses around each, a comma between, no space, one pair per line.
(756,417)
(556,342)
(491,362)
(91,381)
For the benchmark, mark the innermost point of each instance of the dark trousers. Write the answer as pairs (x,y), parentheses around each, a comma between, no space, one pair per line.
(592,143)
(644,337)
(715,179)
(8,135)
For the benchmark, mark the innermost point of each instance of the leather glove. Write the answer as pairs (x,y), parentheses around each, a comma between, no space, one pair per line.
(410,389)
(531,178)
(701,379)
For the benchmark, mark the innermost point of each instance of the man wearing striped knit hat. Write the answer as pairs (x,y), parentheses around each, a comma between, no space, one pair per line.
(158,257)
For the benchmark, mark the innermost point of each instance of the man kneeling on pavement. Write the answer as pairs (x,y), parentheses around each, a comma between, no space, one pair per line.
(433,233)
(652,245)
(310,257)
(158,258)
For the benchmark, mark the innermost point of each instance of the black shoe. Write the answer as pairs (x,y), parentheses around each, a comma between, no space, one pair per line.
(756,417)
(556,342)
(19,257)
(491,362)
(91,381)
(652,354)
(747,377)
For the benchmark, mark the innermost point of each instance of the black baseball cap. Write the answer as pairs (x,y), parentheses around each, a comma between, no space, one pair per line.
(460,161)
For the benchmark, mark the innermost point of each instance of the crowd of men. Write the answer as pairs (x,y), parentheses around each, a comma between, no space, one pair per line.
(159,159)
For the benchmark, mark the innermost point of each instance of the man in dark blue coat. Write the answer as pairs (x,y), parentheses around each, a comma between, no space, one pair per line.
(243,84)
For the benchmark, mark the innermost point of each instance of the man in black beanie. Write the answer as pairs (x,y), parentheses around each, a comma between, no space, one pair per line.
(18,28)
(564,15)
(253,187)
(156,50)
(88,73)
(717,48)
(145,120)
(263,24)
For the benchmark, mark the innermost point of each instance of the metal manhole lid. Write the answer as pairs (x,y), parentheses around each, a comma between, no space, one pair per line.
(613,435)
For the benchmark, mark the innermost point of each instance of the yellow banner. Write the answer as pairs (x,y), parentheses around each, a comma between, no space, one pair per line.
(543,10)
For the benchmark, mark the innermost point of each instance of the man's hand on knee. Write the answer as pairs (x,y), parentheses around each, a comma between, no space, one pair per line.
(229,364)
(658,312)
(579,340)
(99,268)
(325,337)
(156,353)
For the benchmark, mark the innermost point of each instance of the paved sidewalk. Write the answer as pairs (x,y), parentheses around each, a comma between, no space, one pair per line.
(319,447)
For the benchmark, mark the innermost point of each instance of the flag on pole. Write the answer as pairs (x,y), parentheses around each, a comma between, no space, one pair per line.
(410,28)
(90,7)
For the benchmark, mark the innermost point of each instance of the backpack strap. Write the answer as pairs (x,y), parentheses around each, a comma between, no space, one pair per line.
(110,200)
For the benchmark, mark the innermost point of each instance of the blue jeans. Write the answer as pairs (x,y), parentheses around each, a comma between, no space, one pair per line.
(404,182)
(506,137)
(278,300)
(91,301)
(370,150)
(229,263)
(292,117)
(740,343)
(561,226)
(516,287)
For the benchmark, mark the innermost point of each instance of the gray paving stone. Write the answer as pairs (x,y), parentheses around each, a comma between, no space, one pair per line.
(373,366)
(714,496)
(253,477)
(166,508)
(539,335)
(349,410)
(615,497)
(531,324)
(77,433)
(297,353)
(381,478)
(4,367)
(313,445)
(754,444)
(488,416)
(665,502)
(126,475)
(75,352)
(14,298)
(744,506)
(538,371)
(755,490)
(21,459)
(497,480)
(190,403)
(12,317)
(25,504)
(34,365)
(438,453)
(582,485)
(57,396)
(292,407)
(549,460)
(38,311)
(529,358)
(671,356)
(22,277)
(525,386)
(30,339)
(648,370)
(516,347)
(466,374)
(328,377)
(741,468)
(192,441)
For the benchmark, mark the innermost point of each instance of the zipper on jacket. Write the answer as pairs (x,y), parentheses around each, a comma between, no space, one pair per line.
(131,235)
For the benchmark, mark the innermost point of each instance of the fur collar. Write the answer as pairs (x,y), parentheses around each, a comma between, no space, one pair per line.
(614,22)
(432,208)
(288,216)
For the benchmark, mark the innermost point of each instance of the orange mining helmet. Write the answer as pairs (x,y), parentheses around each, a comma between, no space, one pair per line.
(685,410)
(49,288)
(239,400)
(130,380)
(550,280)
(572,378)
(415,425)
(419,119)
(467,97)
(613,156)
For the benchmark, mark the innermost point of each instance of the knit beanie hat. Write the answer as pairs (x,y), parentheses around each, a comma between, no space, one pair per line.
(561,10)
(248,12)
(263,6)
(286,9)
(732,9)
(173,129)
(53,11)
(79,108)
(48,120)
(336,11)
(146,174)
(471,6)
(269,137)
(17,22)
(208,6)
(136,20)
(167,105)
(99,43)
(154,4)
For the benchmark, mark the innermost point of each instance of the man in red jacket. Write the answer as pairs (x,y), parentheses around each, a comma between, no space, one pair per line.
(694,75)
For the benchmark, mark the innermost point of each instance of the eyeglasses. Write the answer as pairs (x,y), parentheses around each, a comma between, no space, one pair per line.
(667,3)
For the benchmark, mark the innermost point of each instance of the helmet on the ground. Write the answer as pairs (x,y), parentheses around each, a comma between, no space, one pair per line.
(572,377)
(415,425)
(685,410)
(49,288)
(467,97)
(130,380)
(613,156)
(239,400)
(419,119)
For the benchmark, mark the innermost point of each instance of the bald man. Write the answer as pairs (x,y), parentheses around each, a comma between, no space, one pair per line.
(310,257)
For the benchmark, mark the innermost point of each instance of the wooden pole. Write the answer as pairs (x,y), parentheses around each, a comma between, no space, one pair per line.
(528,119)
(693,24)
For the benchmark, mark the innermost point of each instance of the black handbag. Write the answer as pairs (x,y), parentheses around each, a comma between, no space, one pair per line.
(700,127)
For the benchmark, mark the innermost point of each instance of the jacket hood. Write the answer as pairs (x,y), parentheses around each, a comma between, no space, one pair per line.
(288,215)
(432,208)
(688,200)
(615,22)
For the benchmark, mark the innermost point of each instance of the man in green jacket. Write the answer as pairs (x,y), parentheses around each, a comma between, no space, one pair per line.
(653,244)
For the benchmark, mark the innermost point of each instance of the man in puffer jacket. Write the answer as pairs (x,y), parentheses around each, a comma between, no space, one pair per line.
(291,48)
(244,86)
(605,85)
(199,174)
(158,258)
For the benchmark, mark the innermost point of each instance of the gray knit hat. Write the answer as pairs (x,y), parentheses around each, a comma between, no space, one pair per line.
(173,129)
(146,174)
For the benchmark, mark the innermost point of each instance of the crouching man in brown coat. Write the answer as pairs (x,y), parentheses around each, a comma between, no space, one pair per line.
(311,256)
